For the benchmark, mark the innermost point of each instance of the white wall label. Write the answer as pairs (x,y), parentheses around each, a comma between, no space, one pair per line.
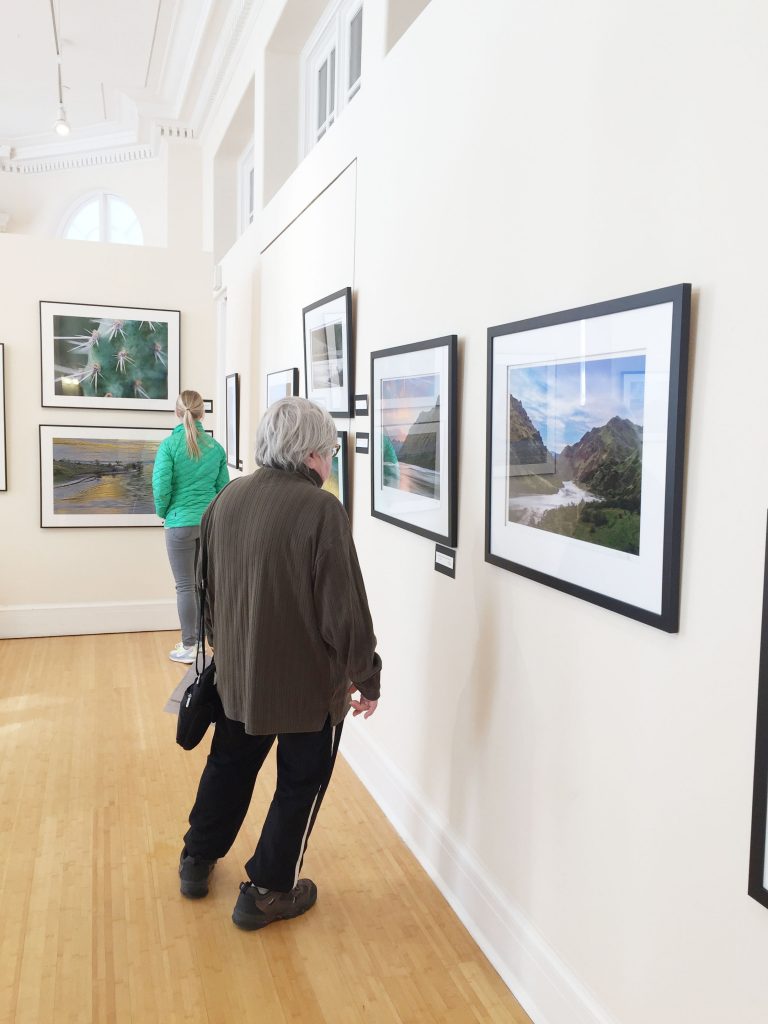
(361,444)
(445,560)
(361,405)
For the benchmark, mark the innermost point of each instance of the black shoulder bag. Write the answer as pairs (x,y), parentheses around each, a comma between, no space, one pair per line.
(201,703)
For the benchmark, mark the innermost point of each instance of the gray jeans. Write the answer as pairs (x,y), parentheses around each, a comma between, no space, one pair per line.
(182,543)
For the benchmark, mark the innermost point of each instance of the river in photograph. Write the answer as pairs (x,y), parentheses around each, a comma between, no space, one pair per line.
(128,491)
(414,479)
(529,508)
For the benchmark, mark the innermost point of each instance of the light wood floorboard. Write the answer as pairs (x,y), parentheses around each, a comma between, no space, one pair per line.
(94,800)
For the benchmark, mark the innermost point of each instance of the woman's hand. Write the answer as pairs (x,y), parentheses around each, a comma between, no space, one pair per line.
(363,706)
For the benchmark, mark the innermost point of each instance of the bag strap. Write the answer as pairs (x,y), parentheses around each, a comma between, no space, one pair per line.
(202,589)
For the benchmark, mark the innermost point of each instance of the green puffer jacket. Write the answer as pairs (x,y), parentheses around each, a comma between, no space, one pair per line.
(183,487)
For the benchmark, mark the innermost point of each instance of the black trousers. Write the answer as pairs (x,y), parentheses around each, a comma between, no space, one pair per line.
(305,763)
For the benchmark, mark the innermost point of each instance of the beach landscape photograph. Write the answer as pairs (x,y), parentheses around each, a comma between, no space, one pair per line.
(575,449)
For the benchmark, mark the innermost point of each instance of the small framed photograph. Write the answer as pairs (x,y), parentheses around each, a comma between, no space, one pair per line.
(98,476)
(585,440)
(3,448)
(758,854)
(328,352)
(414,439)
(208,405)
(109,357)
(232,394)
(338,481)
(282,384)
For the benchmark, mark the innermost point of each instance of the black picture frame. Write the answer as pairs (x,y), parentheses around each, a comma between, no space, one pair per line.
(338,482)
(3,445)
(329,363)
(131,359)
(419,376)
(282,384)
(543,359)
(758,847)
(232,419)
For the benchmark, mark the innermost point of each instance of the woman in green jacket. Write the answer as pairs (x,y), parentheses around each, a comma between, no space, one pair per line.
(189,471)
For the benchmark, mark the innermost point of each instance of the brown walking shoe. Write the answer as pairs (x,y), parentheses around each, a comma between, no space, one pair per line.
(254,910)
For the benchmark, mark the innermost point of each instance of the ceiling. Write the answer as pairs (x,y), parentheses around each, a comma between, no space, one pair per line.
(124,63)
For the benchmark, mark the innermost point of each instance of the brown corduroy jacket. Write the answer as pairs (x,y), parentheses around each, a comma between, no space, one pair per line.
(286,606)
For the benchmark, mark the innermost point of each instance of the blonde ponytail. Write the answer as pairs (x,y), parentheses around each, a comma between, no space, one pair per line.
(189,409)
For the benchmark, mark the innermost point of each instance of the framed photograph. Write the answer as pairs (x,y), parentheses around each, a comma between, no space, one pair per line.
(338,482)
(282,384)
(328,358)
(233,420)
(98,476)
(585,444)
(413,438)
(109,357)
(3,448)
(758,852)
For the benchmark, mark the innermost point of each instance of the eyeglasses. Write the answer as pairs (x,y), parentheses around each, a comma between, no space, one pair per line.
(335,450)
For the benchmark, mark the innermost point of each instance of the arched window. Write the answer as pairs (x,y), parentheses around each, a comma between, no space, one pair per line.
(104,217)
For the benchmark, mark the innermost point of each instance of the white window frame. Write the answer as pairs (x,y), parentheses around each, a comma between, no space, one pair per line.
(332,33)
(351,12)
(246,189)
(102,195)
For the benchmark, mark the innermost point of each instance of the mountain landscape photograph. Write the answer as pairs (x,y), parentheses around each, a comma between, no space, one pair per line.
(410,436)
(575,449)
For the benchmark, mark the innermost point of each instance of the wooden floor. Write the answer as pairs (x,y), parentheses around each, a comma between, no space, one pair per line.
(95,796)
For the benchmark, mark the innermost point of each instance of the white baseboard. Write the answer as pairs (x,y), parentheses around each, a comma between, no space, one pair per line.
(26,620)
(544,985)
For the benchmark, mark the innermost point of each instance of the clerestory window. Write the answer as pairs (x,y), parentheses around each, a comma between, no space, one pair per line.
(332,64)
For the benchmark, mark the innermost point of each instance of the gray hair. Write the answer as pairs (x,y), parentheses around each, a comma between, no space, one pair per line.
(289,430)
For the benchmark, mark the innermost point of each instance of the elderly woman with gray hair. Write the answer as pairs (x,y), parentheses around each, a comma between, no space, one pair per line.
(288,615)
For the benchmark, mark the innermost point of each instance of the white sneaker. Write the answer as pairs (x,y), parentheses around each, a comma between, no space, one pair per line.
(186,655)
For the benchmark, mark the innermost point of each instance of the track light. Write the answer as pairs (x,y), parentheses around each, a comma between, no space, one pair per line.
(61,126)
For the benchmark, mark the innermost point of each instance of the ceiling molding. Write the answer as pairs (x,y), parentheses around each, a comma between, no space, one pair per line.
(117,153)
(233,42)
(68,162)
(209,42)
(179,132)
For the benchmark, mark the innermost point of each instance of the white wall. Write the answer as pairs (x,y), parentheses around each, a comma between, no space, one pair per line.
(39,203)
(121,575)
(579,784)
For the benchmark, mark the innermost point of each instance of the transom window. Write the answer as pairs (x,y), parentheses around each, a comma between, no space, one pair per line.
(332,64)
(104,217)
